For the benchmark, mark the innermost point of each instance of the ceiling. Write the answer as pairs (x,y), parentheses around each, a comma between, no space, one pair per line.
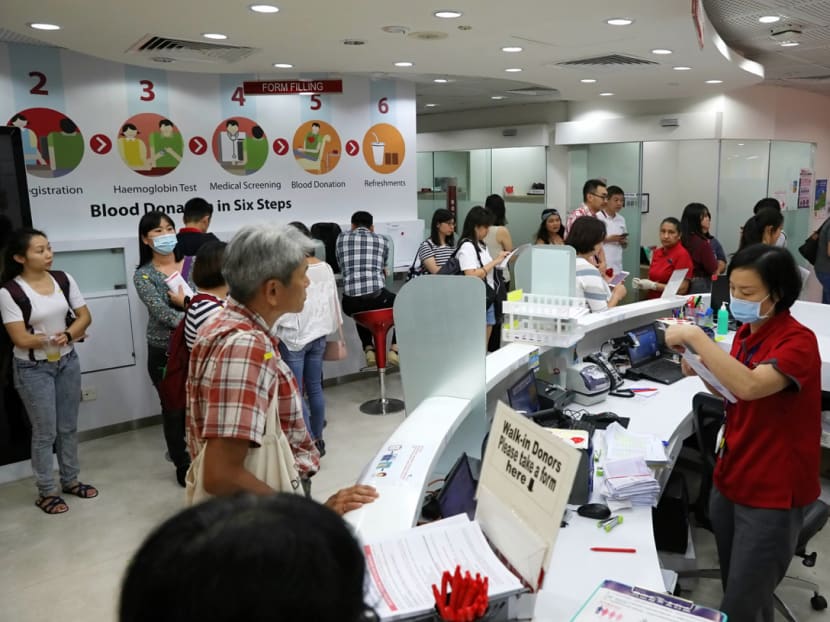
(806,66)
(310,34)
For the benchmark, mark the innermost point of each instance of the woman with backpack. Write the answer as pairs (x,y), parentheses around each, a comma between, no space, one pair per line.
(438,247)
(159,262)
(44,313)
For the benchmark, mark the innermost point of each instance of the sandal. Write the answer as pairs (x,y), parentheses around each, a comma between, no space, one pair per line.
(84,491)
(50,504)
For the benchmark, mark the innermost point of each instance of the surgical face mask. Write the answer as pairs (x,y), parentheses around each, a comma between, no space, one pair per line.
(746,311)
(165,244)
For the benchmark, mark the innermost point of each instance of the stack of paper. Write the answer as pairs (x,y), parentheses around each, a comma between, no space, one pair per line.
(620,444)
(630,480)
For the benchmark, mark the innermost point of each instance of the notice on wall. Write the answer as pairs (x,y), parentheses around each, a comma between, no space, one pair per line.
(526,479)
(805,188)
(105,143)
(821,196)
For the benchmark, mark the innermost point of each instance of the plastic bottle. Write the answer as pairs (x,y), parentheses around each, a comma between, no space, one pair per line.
(723,320)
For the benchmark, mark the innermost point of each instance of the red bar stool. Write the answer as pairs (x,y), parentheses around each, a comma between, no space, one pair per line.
(379,321)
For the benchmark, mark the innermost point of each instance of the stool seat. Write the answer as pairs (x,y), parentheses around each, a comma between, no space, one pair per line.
(378,322)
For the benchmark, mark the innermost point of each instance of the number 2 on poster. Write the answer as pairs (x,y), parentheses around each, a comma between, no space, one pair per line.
(38,89)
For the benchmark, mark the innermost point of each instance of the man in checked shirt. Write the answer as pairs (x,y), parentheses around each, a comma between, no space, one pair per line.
(235,368)
(362,255)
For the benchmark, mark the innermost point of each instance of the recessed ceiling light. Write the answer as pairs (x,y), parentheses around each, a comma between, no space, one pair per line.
(264,8)
(404,63)
(440,80)
(511,48)
(214,35)
(606,94)
(431,105)
(497,97)
(769,19)
(661,51)
(587,81)
(42,26)
(740,144)
(619,21)
(682,68)
(714,81)
(447,14)
(789,44)
(283,65)
(513,70)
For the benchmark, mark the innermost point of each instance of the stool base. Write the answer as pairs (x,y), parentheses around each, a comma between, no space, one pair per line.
(382,407)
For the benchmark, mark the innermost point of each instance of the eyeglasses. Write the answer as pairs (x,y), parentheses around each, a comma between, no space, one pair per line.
(604,197)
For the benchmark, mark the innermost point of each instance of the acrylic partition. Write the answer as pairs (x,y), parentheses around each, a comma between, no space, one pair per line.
(547,270)
(786,160)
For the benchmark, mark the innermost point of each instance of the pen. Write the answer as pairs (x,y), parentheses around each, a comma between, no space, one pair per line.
(606,549)
(642,390)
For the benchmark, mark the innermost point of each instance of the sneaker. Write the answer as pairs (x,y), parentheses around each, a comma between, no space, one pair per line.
(371,361)
(393,358)
(321,447)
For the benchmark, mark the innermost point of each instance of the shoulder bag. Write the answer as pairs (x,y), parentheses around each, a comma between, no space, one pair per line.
(809,250)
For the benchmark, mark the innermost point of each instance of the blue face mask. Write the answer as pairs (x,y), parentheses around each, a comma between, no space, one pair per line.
(746,311)
(165,244)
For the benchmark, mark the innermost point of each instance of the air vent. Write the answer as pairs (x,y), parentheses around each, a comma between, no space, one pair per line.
(611,60)
(823,78)
(535,91)
(426,35)
(154,46)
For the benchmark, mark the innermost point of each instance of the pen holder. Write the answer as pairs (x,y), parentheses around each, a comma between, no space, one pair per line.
(496,612)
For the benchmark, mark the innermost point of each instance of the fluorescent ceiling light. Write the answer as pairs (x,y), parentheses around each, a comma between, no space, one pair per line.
(769,19)
(682,68)
(513,70)
(42,26)
(404,63)
(283,65)
(440,80)
(606,94)
(511,48)
(661,51)
(587,81)
(448,14)
(497,97)
(214,35)
(264,8)
(714,81)
(431,105)
(789,44)
(619,21)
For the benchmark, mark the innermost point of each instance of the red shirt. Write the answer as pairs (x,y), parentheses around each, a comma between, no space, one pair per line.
(664,261)
(773,444)
(703,256)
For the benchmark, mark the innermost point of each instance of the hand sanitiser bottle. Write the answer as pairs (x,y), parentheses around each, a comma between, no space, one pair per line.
(723,320)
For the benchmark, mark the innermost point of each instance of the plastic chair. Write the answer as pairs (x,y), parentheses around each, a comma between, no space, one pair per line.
(379,321)
(708,416)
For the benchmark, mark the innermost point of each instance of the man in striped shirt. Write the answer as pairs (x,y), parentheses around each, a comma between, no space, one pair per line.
(236,370)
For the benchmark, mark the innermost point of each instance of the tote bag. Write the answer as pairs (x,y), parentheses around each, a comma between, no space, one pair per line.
(272,462)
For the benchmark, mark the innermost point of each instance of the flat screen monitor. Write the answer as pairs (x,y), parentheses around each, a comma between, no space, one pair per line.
(522,396)
(458,496)
(648,347)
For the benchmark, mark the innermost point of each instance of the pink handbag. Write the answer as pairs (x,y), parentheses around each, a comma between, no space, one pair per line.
(336,350)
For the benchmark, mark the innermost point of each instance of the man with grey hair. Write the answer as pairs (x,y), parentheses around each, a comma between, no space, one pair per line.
(236,369)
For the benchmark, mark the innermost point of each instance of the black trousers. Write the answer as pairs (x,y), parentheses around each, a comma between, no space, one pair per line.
(381,299)
(173,421)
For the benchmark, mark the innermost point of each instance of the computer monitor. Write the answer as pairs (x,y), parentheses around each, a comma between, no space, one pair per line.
(457,496)
(522,396)
(648,348)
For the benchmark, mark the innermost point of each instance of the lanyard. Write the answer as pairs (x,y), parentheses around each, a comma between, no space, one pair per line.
(745,356)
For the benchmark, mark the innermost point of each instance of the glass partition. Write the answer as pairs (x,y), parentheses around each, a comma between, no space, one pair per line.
(99,270)
(744,172)
(786,160)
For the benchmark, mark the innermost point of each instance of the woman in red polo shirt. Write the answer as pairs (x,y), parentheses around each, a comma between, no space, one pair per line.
(671,256)
(767,469)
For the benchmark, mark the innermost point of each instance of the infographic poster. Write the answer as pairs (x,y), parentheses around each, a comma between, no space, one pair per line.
(104,143)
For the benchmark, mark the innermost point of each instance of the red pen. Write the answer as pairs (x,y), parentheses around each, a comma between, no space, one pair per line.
(608,549)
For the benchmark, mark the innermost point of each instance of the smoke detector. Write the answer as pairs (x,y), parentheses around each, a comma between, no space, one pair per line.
(786,34)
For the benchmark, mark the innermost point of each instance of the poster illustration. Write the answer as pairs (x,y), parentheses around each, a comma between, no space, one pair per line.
(805,188)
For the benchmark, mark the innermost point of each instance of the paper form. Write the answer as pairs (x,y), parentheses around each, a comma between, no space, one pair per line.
(693,360)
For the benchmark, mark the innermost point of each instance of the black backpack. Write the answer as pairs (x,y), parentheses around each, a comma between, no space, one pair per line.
(452,267)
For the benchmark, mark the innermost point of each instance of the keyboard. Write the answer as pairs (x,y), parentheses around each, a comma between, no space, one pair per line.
(661,370)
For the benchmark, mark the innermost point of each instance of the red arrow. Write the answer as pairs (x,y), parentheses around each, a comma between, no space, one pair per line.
(280,146)
(198,145)
(100,144)
(352,148)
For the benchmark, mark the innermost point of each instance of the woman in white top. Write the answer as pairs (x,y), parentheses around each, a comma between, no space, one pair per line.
(303,340)
(34,303)
(586,237)
(473,257)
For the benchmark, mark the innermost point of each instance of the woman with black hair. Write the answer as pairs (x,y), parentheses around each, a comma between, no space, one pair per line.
(586,237)
(474,258)
(769,449)
(694,238)
(258,559)
(551,229)
(762,228)
(439,246)
(158,261)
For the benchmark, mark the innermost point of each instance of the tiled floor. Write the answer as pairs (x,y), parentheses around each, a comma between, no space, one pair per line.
(69,567)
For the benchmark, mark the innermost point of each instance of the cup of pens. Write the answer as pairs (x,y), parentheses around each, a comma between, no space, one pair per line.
(463,598)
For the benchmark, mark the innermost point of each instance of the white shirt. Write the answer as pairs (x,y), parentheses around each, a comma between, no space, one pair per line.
(320,315)
(468,260)
(591,286)
(614,225)
(48,315)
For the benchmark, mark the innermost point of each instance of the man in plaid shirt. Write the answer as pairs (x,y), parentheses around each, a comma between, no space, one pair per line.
(362,255)
(236,370)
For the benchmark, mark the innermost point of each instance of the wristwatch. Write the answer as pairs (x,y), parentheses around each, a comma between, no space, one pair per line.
(68,336)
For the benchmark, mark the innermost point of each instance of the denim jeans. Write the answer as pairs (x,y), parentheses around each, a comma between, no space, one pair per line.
(51,393)
(824,279)
(307,367)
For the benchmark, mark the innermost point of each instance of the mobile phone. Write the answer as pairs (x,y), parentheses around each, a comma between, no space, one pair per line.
(618,278)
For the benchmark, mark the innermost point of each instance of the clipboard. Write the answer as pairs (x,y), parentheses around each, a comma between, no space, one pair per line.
(618,599)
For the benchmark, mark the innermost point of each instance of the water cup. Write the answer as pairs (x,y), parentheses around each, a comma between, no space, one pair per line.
(52,349)
(377,152)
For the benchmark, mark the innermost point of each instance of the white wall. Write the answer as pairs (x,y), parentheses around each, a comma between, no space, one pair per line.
(518,167)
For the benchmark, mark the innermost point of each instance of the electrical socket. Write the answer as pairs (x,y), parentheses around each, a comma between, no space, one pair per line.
(88,394)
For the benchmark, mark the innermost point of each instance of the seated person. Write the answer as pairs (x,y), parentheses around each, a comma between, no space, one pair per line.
(552,229)
(586,237)
(283,557)
(670,256)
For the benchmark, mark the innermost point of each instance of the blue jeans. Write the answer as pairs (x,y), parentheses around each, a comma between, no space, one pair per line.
(51,393)
(824,279)
(307,367)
